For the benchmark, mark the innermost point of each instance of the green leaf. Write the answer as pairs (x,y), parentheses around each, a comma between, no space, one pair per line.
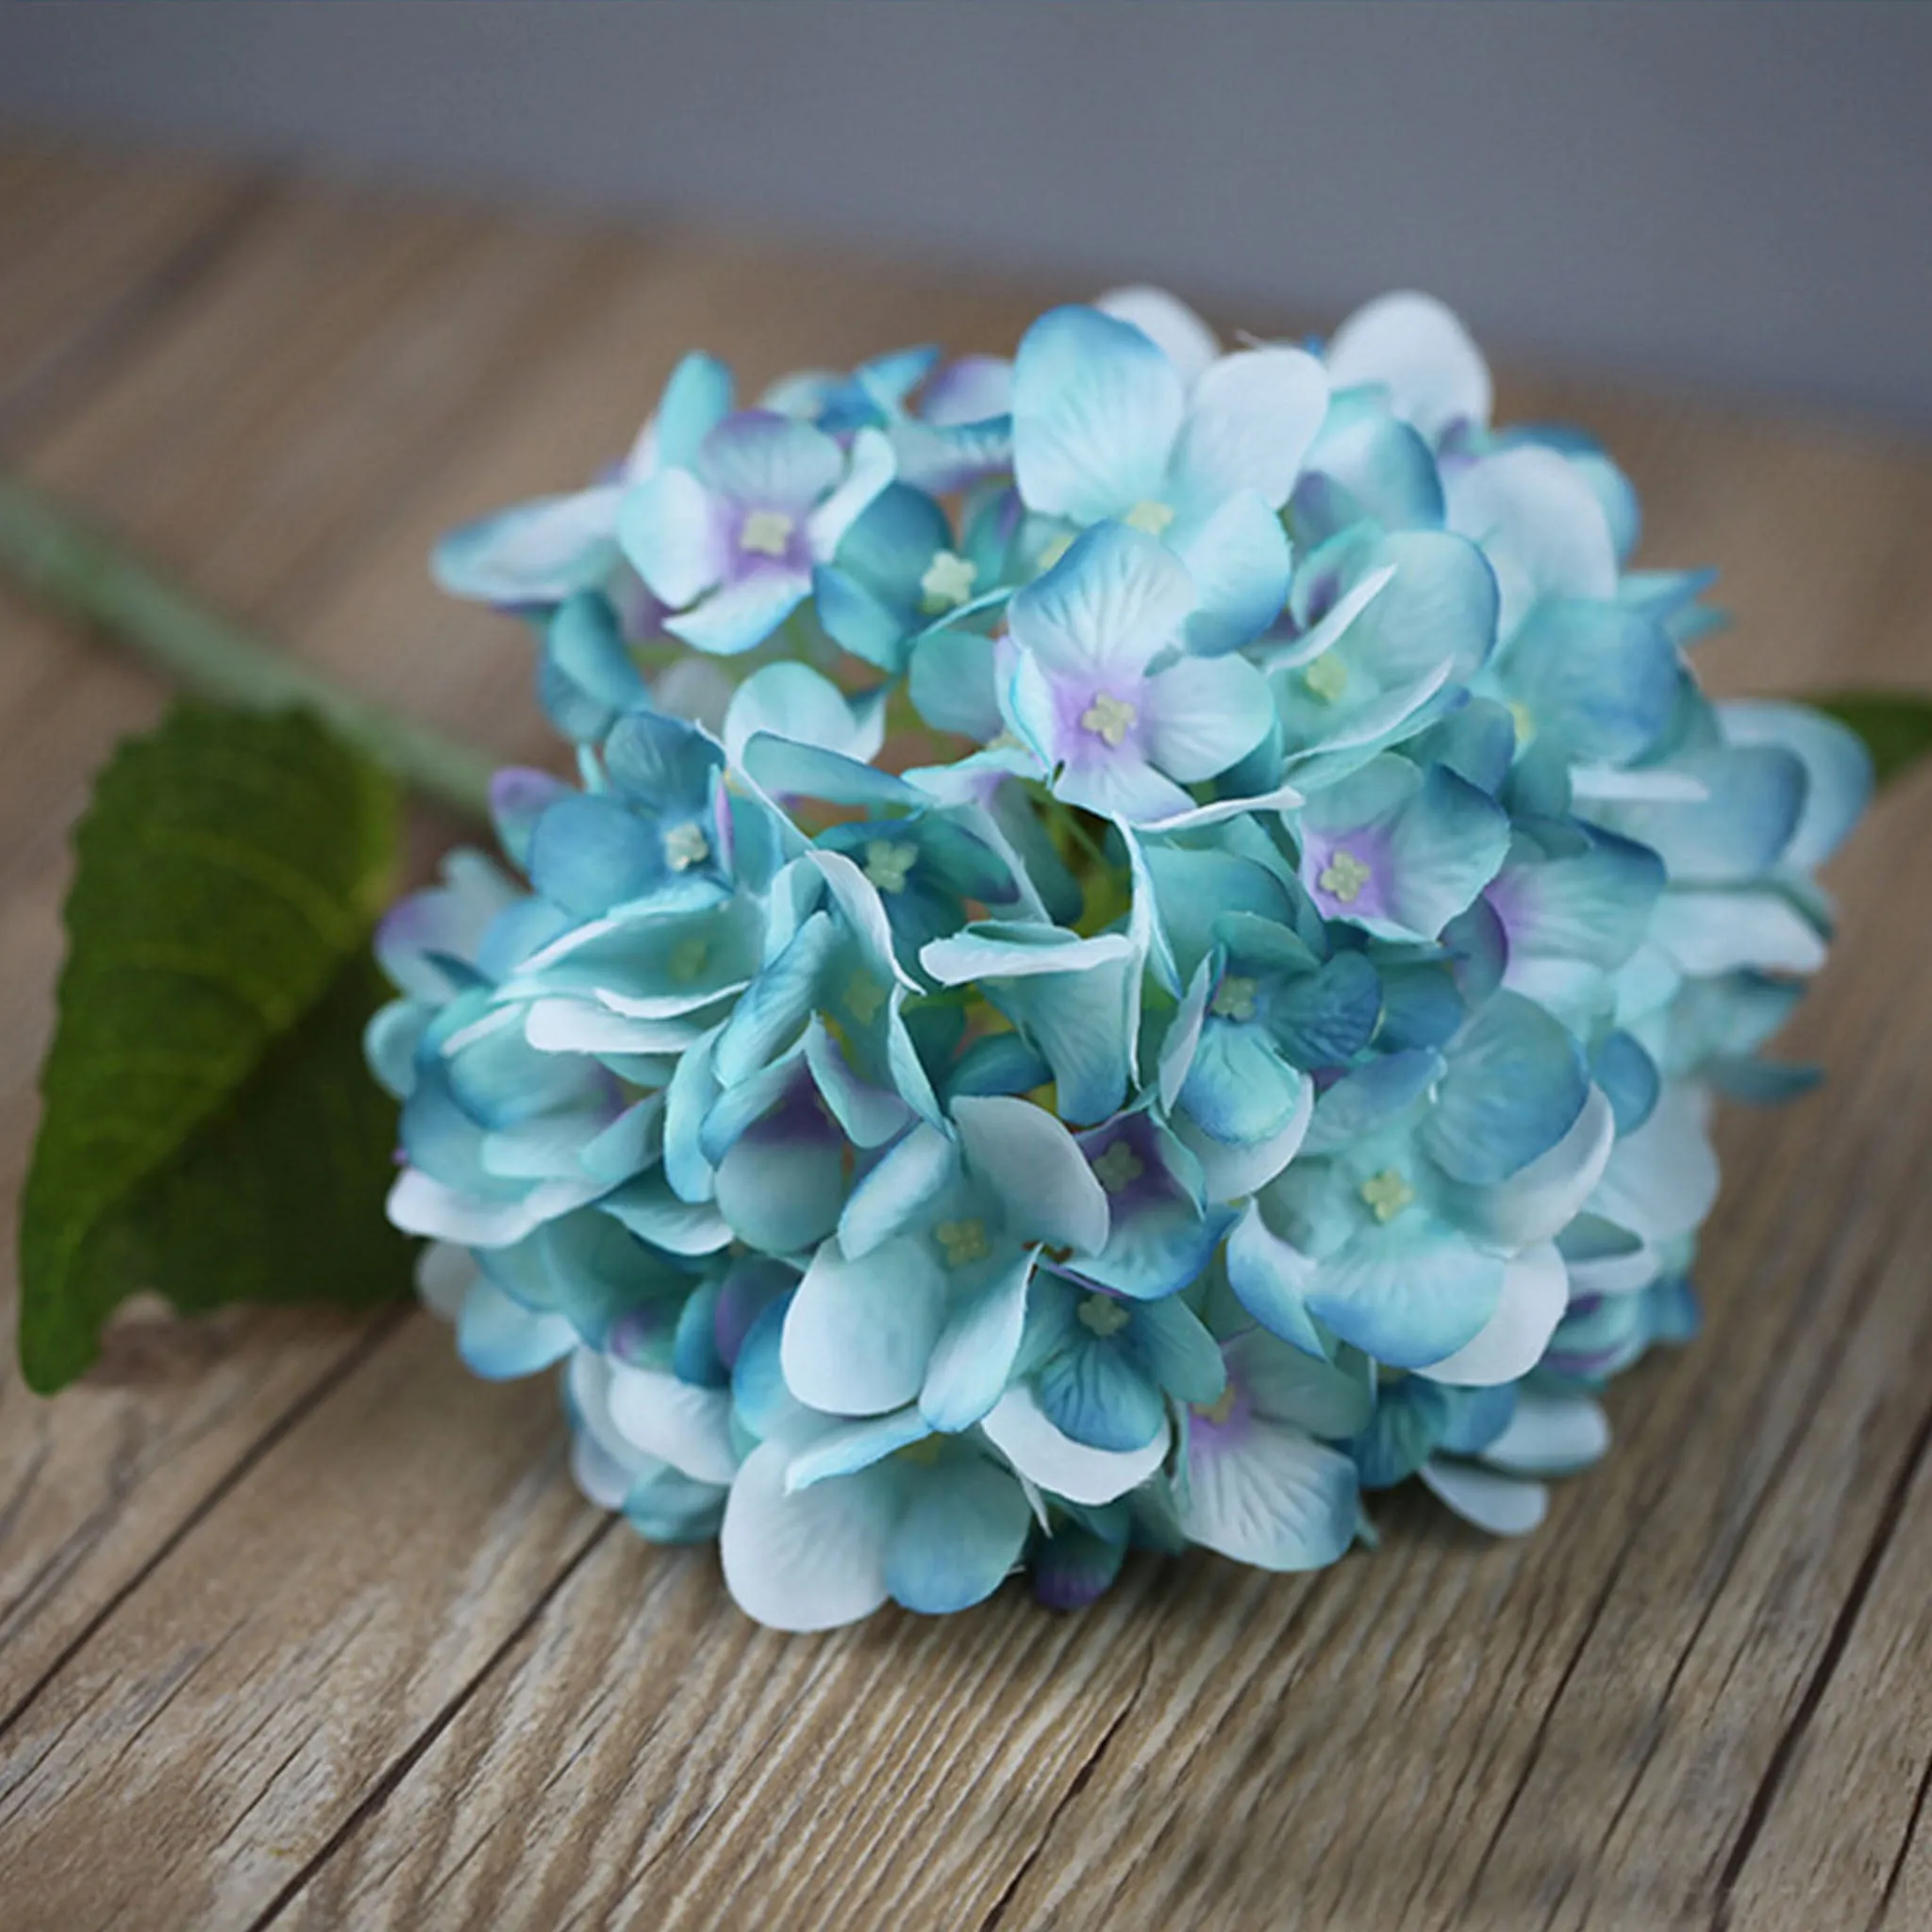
(1896,725)
(210,1132)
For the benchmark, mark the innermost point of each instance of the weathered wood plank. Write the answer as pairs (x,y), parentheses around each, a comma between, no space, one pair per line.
(93,250)
(369,1566)
(1834,1841)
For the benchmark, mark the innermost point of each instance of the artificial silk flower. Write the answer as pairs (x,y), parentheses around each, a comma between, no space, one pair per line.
(1180,983)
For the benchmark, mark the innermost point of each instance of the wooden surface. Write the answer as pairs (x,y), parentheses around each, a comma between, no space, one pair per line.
(301,1626)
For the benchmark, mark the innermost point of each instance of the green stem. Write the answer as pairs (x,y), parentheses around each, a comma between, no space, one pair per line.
(86,576)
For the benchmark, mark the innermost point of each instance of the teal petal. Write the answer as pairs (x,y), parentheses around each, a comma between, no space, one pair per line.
(975,1350)
(1417,352)
(1268,1495)
(1096,408)
(960,1535)
(1515,1085)
(499,1339)
(860,1333)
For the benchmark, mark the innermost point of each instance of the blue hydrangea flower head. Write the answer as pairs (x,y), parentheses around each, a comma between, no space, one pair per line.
(1160,966)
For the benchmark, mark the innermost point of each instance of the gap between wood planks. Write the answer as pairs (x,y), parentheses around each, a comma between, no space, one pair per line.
(379,1793)
(1841,1630)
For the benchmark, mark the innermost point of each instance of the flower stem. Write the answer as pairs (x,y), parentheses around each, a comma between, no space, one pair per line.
(86,576)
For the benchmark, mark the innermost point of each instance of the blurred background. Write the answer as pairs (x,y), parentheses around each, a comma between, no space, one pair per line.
(1731,197)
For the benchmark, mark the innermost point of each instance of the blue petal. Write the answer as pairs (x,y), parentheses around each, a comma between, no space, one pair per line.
(1096,1394)
(760,458)
(1412,1420)
(1515,1085)
(585,642)
(909,1175)
(1268,1495)
(782,1183)
(1096,408)
(1239,559)
(1837,771)
(1178,1350)
(588,854)
(742,615)
(1106,607)
(1251,419)
(696,400)
(860,1333)
(536,553)
(1073,1568)
(975,1351)
(1365,464)
(1409,1293)
(499,1339)
(1418,353)
(1752,810)
(1270,1279)
(771,1012)
(1238,1088)
(958,1537)
(1445,849)
(648,1207)
(672,536)
(1599,679)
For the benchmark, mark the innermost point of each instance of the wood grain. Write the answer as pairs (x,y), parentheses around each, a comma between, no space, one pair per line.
(298,1625)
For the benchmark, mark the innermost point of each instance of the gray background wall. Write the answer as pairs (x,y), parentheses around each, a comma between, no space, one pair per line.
(1730,196)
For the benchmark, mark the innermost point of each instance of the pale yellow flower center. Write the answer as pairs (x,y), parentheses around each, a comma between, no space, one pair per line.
(865,997)
(947,582)
(1101,1315)
(1108,718)
(962,1241)
(1526,724)
(1150,515)
(1118,1167)
(1219,1410)
(888,863)
(924,1452)
(1344,876)
(767,532)
(1326,678)
(685,846)
(1387,1193)
(1233,999)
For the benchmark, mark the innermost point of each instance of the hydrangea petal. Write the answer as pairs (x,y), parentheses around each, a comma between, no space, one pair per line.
(958,1538)
(538,553)
(1251,419)
(499,1339)
(1181,336)
(860,1333)
(1551,1434)
(672,536)
(811,1558)
(1096,408)
(1268,1495)
(1536,1292)
(975,1350)
(686,1426)
(1019,1429)
(1500,1504)
(1036,1167)
(1418,351)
